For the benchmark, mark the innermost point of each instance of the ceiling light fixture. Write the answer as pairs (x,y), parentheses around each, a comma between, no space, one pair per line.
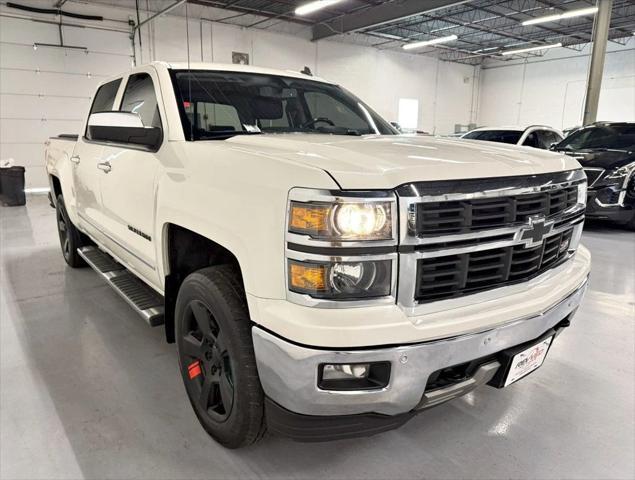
(531,49)
(570,14)
(425,43)
(311,7)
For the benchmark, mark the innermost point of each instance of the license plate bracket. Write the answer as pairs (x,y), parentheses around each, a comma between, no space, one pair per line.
(520,361)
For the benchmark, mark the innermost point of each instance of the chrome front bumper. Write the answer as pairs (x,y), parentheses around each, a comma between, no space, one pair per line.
(288,372)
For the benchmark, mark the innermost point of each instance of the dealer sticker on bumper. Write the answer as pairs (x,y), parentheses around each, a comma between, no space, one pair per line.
(528,360)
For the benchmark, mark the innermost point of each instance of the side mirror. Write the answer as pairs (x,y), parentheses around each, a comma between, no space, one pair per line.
(553,146)
(123,128)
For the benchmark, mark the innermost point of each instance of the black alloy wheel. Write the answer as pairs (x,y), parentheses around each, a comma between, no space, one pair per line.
(62,229)
(208,364)
(216,355)
(70,238)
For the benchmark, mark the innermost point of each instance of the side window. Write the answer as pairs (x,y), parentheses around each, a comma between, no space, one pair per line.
(324,106)
(532,140)
(105,97)
(140,97)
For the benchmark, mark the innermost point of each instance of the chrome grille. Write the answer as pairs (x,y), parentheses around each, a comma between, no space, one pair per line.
(465,237)
(460,216)
(455,275)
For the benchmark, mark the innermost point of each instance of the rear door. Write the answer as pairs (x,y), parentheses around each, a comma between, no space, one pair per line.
(128,185)
(85,160)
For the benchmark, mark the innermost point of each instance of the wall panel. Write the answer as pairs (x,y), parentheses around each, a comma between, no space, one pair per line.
(47,91)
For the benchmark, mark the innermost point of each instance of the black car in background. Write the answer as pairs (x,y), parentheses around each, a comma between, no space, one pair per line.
(606,151)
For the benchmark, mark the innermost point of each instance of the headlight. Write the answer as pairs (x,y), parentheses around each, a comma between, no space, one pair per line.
(620,175)
(342,220)
(341,280)
(582,191)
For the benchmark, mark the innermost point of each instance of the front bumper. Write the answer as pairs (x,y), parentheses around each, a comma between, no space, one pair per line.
(288,372)
(602,205)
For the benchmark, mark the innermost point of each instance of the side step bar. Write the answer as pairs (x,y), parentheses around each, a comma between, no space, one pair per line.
(147,302)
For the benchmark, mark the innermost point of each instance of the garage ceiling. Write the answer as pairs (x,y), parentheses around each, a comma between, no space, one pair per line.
(484,27)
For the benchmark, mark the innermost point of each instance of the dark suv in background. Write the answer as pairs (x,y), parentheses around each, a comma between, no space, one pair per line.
(606,150)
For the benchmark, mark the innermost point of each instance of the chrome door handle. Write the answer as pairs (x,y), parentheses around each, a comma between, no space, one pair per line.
(75,159)
(105,166)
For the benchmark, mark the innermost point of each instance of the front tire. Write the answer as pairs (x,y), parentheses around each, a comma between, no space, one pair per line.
(70,237)
(216,356)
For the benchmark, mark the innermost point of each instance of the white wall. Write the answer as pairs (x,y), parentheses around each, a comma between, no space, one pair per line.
(48,91)
(379,77)
(550,90)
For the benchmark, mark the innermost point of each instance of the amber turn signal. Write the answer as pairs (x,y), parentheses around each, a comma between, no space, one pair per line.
(307,277)
(309,218)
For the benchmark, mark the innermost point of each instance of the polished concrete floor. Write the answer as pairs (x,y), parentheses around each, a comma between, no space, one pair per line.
(89,391)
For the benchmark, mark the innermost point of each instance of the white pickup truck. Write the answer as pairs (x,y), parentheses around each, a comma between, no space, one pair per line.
(321,275)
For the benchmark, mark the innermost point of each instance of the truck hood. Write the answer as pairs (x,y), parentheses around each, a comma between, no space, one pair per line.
(382,162)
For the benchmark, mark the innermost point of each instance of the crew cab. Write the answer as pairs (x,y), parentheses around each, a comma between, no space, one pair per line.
(321,275)
(536,136)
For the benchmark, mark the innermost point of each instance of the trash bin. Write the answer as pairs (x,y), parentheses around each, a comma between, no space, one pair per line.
(12,186)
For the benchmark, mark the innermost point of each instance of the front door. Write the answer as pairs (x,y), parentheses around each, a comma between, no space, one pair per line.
(128,185)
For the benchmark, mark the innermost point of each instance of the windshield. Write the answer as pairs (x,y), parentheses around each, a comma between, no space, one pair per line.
(501,136)
(219,105)
(613,137)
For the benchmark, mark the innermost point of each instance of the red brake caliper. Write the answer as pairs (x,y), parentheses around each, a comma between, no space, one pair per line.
(194,369)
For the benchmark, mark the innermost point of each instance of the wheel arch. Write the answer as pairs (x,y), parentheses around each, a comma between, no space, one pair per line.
(186,251)
(56,186)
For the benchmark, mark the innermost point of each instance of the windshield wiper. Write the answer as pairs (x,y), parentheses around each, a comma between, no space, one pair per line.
(606,149)
(223,135)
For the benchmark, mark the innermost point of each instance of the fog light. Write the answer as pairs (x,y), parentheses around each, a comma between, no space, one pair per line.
(344,371)
(353,376)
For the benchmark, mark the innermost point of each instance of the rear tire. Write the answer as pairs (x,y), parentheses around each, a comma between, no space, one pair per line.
(70,238)
(216,356)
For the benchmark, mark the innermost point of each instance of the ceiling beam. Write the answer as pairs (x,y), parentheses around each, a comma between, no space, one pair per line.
(378,15)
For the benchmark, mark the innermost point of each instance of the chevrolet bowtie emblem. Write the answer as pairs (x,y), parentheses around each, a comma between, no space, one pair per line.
(536,230)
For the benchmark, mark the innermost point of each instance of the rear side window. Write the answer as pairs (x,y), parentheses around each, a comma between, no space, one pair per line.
(105,97)
(140,97)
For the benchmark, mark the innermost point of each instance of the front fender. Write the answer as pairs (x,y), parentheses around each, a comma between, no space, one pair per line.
(238,201)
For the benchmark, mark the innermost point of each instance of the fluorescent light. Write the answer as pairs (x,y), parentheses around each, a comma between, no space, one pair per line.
(311,7)
(559,16)
(388,35)
(531,49)
(425,43)
(489,49)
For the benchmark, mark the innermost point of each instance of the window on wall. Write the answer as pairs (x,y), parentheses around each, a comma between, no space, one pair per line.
(408,114)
